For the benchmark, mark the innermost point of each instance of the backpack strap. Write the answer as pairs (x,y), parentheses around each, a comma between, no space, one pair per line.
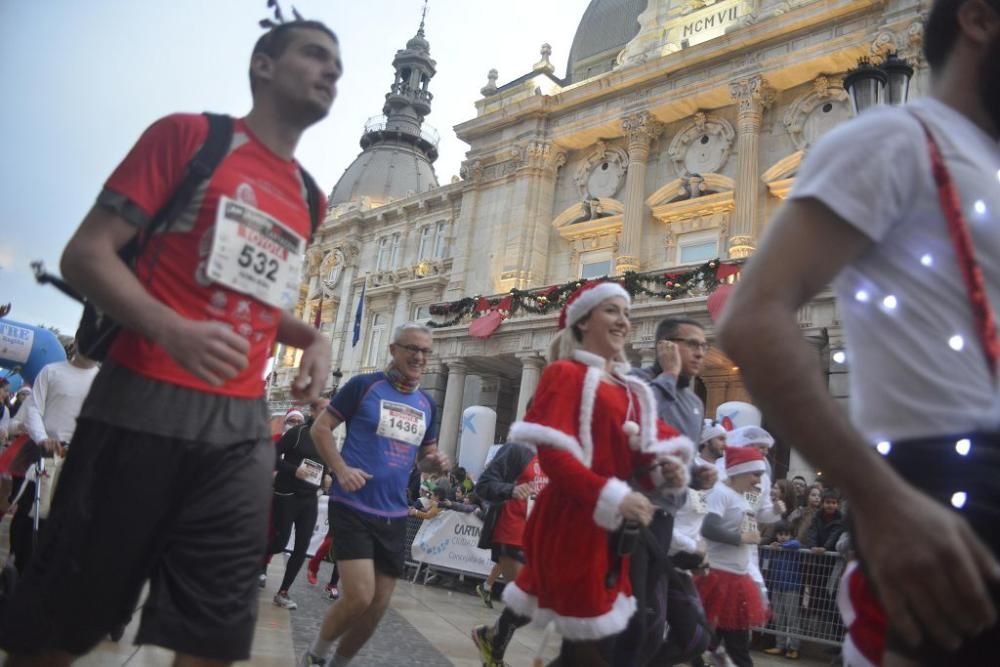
(198,170)
(313,199)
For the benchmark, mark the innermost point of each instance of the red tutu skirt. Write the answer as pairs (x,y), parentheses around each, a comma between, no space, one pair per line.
(732,601)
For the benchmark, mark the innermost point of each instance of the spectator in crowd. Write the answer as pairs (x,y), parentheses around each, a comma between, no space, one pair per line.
(801,490)
(897,210)
(785,576)
(510,483)
(733,603)
(801,518)
(782,490)
(827,525)
(439,499)
(301,474)
(459,479)
(594,427)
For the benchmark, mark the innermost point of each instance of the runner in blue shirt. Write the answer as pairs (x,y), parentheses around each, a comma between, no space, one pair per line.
(390,426)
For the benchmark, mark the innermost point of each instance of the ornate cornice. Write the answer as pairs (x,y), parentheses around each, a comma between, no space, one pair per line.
(752,93)
(640,129)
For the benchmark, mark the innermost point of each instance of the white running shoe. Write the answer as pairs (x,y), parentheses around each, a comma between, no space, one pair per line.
(309,660)
(283,601)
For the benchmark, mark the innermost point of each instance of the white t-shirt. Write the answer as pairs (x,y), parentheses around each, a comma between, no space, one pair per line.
(56,398)
(903,302)
(737,516)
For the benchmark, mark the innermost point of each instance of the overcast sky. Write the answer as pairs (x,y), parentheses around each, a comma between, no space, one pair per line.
(83,79)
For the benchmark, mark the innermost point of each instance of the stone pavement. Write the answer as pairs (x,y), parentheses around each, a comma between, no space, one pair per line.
(426,626)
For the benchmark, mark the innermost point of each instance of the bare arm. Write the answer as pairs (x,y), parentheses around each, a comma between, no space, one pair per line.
(314,368)
(942,585)
(90,263)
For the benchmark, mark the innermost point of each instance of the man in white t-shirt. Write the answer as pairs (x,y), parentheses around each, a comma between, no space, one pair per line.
(865,214)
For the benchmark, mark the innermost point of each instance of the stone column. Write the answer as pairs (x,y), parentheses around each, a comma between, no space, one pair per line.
(647,355)
(640,130)
(531,371)
(451,414)
(754,96)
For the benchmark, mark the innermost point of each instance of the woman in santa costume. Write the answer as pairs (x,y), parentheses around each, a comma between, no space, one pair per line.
(733,603)
(595,430)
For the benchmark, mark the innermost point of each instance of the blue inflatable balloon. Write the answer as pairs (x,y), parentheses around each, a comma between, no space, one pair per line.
(28,348)
(14,381)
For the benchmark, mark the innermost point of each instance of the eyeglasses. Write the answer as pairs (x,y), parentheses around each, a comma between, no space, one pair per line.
(414,350)
(692,344)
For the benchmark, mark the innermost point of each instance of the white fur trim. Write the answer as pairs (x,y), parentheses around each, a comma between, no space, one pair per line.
(532,435)
(607,512)
(589,358)
(749,466)
(576,628)
(647,410)
(588,396)
(679,446)
(589,299)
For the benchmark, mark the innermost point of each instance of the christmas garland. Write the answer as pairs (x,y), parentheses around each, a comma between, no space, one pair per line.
(545,300)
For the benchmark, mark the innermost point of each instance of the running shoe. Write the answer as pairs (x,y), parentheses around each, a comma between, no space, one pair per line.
(312,576)
(283,601)
(485,594)
(332,592)
(262,579)
(309,660)
(481,638)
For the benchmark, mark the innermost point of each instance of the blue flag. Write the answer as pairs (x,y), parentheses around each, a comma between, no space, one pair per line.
(358,314)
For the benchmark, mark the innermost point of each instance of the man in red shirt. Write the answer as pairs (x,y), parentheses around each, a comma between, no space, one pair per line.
(168,474)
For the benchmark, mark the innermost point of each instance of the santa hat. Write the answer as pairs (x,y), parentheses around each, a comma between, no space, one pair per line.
(710,430)
(740,460)
(748,436)
(586,298)
(294,412)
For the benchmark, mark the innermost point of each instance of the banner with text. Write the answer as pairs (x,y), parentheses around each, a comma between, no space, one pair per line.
(449,540)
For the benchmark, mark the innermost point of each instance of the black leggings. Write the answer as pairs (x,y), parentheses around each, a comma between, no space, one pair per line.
(299,511)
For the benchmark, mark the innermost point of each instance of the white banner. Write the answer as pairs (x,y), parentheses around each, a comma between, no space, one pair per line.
(449,540)
(319,530)
(15,343)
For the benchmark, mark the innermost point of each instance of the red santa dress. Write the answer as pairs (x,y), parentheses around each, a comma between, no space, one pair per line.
(592,433)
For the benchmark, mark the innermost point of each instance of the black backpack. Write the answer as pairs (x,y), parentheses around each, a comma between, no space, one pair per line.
(97,330)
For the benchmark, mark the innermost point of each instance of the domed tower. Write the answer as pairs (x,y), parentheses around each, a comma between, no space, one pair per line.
(605,29)
(398,150)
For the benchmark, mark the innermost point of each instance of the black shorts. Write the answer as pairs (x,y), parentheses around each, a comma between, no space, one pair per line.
(190,517)
(509,550)
(933,466)
(361,536)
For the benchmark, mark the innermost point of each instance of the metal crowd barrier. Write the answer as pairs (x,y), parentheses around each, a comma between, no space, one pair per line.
(802,591)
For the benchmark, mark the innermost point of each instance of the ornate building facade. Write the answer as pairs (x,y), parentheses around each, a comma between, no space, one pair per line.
(672,140)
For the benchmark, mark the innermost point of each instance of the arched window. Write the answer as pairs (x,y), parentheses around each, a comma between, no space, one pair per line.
(426,238)
(382,259)
(394,253)
(440,240)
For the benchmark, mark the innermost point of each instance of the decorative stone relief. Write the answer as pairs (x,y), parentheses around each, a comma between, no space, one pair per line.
(603,174)
(703,146)
(540,155)
(816,112)
(331,269)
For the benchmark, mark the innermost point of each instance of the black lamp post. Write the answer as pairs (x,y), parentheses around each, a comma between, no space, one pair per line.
(870,84)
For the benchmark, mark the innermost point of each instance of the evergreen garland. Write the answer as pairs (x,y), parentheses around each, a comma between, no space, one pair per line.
(544,300)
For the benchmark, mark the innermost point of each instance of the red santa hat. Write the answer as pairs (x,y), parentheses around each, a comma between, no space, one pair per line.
(294,412)
(740,460)
(586,298)
(749,436)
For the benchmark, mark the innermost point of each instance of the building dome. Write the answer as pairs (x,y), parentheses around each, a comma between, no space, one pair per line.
(385,171)
(606,27)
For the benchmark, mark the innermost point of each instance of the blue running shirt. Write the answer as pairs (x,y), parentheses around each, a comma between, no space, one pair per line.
(385,427)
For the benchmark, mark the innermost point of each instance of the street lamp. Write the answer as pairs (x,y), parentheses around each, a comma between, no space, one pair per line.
(870,84)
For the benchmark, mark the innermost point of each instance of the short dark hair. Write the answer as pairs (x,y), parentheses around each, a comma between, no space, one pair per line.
(941,29)
(830,494)
(274,42)
(667,328)
(782,527)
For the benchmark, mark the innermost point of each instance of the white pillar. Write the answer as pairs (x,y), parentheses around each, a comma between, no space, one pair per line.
(452,412)
(640,130)
(531,371)
(754,96)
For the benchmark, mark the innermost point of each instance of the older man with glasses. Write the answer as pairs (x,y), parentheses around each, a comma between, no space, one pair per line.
(390,425)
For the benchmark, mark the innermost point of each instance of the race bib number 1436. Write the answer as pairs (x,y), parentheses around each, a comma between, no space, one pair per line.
(398,421)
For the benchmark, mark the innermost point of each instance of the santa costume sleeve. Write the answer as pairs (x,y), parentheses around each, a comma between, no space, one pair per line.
(552,426)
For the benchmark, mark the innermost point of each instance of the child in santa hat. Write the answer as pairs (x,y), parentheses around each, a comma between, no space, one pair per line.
(732,602)
(595,428)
